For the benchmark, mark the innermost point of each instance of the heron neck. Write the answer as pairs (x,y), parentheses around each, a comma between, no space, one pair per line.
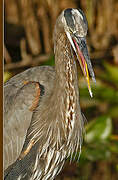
(66,81)
(65,66)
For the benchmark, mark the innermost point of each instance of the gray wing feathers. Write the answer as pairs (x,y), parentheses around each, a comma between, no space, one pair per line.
(17,116)
(17,120)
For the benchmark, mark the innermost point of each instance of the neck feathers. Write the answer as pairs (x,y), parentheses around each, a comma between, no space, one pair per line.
(66,81)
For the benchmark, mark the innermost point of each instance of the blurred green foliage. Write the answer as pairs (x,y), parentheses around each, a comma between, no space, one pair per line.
(101,138)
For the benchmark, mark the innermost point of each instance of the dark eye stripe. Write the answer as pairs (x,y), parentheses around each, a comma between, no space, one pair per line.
(68,16)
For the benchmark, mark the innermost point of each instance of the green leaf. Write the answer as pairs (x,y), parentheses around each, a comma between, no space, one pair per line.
(112,70)
(117,167)
(95,152)
(110,74)
(7,76)
(113,111)
(114,147)
(99,129)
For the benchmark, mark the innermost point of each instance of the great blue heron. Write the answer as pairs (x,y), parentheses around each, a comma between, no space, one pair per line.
(42,121)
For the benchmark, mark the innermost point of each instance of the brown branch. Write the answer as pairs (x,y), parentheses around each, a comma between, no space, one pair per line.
(11,12)
(103,54)
(24,55)
(31,26)
(45,28)
(32,62)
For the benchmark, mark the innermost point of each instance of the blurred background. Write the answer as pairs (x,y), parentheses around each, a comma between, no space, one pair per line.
(29,26)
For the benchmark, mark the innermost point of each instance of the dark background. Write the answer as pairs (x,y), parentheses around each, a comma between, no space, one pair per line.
(29,26)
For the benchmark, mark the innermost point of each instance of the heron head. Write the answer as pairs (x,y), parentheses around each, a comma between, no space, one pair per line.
(75,26)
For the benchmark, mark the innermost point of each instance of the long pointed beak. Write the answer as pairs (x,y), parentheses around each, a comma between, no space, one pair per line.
(80,47)
(84,59)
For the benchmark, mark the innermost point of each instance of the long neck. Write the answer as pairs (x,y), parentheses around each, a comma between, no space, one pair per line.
(66,93)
